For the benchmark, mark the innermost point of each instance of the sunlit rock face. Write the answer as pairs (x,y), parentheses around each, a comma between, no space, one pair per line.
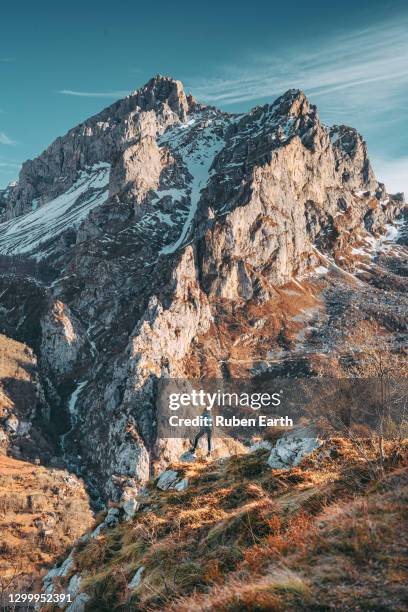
(176,240)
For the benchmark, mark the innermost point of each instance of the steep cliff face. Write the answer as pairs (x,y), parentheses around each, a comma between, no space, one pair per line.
(102,138)
(279,185)
(183,241)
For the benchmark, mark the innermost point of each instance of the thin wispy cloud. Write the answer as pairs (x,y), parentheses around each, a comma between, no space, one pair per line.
(6,140)
(359,78)
(359,65)
(94,94)
(7,60)
(9,164)
(9,169)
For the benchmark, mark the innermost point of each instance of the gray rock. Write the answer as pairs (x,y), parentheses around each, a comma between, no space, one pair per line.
(63,339)
(292,448)
(58,572)
(12,424)
(73,585)
(181,485)
(137,579)
(79,603)
(188,457)
(112,518)
(98,529)
(167,479)
(130,507)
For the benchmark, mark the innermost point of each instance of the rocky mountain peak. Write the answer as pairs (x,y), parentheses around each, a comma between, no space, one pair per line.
(293,102)
(346,138)
(163,89)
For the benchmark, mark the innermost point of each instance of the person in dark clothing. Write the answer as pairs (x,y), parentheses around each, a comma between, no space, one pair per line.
(205,429)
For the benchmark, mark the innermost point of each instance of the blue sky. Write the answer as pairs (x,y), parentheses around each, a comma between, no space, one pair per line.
(62,62)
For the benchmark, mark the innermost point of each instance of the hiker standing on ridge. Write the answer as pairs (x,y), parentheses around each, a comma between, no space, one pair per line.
(205,429)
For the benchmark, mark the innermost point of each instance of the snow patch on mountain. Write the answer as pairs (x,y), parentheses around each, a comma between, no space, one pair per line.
(32,232)
(197,145)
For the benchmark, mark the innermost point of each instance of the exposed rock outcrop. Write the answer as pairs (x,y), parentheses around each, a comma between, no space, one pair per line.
(292,448)
(147,111)
(63,341)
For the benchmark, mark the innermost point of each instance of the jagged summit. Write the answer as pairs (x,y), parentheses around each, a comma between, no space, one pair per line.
(160,82)
(158,104)
(162,89)
(150,110)
(293,102)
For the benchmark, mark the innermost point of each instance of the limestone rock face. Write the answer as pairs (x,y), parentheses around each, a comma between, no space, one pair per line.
(159,103)
(175,240)
(138,168)
(351,156)
(276,191)
(63,340)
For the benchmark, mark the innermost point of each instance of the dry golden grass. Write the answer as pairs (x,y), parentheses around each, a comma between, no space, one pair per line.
(242,333)
(41,514)
(16,364)
(15,358)
(245,537)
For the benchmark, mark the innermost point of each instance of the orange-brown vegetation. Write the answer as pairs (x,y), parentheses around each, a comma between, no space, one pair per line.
(327,535)
(243,334)
(42,511)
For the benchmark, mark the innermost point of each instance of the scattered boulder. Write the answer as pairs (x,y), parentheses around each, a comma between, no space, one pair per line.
(167,479)
(130,507)
(129,504)
(291,448)
(188,457)
(112,518)
(171,480)
(11,424)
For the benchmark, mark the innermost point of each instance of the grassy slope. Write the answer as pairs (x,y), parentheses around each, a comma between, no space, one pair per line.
(326,535)
(21,398)
(42,511)
(16,361)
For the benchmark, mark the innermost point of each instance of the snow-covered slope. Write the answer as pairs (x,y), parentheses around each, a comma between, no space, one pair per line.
(35,232)
(197,145)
